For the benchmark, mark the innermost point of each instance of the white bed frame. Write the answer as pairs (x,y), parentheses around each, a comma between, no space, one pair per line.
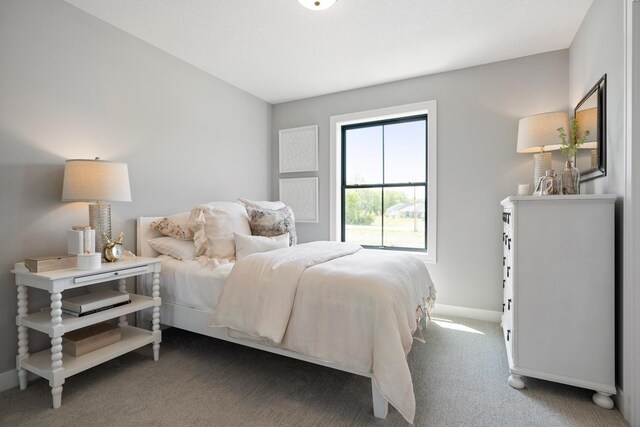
(196,320)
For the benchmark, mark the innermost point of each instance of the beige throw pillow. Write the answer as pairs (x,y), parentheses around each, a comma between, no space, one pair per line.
(183,250)
(176,225)
(213,225)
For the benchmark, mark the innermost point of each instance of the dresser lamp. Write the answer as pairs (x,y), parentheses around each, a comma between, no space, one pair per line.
(587,120)
(538,134)
(100,181)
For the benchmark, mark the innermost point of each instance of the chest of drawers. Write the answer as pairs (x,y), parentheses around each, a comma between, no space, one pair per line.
(558,281)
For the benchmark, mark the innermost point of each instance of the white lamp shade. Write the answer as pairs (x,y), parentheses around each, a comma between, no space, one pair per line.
(91,180)
(317,4)
(540,132)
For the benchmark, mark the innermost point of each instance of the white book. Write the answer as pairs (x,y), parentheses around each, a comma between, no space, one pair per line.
(94,301)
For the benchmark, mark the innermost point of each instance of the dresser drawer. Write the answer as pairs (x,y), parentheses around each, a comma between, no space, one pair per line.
(508,335)
(507,218)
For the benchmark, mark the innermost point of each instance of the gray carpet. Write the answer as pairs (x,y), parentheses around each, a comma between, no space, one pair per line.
(460,379)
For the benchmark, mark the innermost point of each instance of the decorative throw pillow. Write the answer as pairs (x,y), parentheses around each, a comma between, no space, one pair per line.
(269,222)
(184,250)
(213,225)
(262,204)
(176,225)
(247,245)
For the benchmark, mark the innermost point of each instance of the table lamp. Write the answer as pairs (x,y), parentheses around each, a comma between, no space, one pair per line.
(587,120)
(539,134)
(100,181)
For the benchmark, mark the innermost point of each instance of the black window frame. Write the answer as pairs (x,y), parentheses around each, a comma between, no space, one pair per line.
(344,186)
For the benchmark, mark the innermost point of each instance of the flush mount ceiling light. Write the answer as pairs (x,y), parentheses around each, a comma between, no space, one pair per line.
(317,4)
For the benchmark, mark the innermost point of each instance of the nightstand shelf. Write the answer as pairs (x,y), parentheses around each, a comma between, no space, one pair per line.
(41,321)
(132,338)
(52,364)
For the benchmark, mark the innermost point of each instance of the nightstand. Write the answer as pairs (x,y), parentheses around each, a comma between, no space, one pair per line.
(52,364)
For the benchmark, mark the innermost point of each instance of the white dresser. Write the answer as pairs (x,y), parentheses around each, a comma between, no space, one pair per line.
(558,282)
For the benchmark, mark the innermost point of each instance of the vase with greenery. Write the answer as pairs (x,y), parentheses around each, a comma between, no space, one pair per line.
(570,178)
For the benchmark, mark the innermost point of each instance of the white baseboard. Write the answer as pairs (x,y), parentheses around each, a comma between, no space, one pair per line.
(623,406)
(466,312)
(9,379)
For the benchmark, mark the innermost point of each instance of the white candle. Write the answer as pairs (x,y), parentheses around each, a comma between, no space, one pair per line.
(87,241)
(524,190)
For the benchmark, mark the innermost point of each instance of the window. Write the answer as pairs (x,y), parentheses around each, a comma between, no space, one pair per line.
(383,178)
(384,181)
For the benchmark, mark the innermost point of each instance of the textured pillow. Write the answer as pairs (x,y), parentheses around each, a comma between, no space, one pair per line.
(184,250)
(268,222)
(247,245)
(213,225)
(176,225)
(262,204)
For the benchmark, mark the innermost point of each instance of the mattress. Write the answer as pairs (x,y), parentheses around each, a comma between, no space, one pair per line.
(189,283)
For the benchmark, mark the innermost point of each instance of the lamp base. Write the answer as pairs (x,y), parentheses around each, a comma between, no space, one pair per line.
(100,220)
(541,164)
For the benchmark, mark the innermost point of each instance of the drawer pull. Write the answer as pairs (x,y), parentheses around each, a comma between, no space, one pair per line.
(508,334)
(508,270)
(100,276)
(509,244)
(503,307)
(509,304)
(504,260)
(503,282)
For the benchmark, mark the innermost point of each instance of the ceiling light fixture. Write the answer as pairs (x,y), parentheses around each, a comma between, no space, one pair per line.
(317,4)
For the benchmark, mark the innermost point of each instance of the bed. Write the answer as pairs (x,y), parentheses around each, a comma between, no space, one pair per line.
(191,292)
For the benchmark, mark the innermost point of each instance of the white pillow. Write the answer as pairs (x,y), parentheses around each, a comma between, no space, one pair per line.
(247,245)
(262,204)
(213,225)
(184,250)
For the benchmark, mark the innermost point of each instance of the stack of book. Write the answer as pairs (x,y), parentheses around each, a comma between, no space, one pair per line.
(94,302)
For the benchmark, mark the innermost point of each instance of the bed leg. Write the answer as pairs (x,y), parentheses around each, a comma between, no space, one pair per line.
(380,404)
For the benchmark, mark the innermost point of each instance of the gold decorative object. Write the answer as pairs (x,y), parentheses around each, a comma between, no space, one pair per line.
(113,249)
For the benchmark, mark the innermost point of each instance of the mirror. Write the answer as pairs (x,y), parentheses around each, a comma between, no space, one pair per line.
(590,114)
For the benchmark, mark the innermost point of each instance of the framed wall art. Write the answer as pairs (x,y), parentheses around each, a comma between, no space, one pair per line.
(301,194)
(298,149)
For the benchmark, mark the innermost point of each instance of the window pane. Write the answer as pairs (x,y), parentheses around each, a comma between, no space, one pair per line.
(364,155)
(404,217)
(405,152)
(362,216)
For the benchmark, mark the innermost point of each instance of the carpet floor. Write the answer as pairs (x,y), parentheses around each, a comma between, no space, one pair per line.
(460,379)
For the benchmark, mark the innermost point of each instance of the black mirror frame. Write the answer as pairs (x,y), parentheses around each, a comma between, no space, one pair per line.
(601,88)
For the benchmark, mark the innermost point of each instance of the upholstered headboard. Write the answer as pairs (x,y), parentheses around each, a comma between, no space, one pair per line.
(144,233)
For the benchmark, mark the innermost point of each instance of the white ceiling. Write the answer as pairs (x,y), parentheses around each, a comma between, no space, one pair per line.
(278,51)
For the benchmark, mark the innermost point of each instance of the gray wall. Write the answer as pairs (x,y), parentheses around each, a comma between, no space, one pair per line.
(598,48)
(478,113)
(72,86)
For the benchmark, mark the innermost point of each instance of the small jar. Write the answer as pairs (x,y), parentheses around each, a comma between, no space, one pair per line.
(548,185)
(570,179)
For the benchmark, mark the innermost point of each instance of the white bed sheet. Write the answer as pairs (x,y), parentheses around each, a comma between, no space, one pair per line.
(189,283)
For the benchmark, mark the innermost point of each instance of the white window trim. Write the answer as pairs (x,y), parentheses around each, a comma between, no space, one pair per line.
(335,161)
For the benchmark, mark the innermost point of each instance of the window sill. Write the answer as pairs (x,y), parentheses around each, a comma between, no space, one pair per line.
(421,255)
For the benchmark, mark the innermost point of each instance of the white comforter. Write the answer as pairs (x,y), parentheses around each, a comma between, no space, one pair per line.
(336,303)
